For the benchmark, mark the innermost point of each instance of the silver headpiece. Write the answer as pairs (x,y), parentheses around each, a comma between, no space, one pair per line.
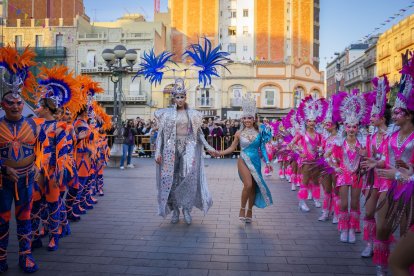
(179,87)
(249,106)
(402,97)
(353,108)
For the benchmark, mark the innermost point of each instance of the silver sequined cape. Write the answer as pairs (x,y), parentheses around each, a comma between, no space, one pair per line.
(194,188)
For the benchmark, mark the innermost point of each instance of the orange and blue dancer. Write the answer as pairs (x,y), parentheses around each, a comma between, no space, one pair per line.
(57,89)
(83,160)
(71,180)
(18,150)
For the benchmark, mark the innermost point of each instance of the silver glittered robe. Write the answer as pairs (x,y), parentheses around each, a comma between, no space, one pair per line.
(192,191)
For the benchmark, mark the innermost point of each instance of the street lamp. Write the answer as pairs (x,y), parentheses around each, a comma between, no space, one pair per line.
(113,59)
(338,73)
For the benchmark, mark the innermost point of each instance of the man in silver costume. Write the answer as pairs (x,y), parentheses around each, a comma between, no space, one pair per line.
(181,181)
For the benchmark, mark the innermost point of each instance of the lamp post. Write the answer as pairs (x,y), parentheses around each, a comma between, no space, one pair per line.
(338,73)
(113,59)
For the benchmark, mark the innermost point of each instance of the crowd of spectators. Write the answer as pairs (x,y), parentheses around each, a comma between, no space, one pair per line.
(218,133)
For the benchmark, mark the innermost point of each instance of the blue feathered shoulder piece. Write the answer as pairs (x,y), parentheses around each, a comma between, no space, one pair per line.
(266,132)
(207,59)
(152,66)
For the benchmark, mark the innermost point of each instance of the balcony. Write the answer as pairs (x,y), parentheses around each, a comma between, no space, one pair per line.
(129,98)
(104,98)
(384,54)
(92,37)
(236,102)
(369,62)
(47,52)
(136,36)
(404,43)
(205,102)
(136,98)
(356,79)
(93,70)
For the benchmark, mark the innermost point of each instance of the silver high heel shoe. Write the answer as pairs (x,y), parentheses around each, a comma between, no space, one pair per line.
(249,219)
(242,218)
(187,216)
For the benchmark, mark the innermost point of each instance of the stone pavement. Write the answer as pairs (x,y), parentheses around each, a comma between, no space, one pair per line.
(123,234)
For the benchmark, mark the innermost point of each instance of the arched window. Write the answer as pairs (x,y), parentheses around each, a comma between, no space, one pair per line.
(299,95)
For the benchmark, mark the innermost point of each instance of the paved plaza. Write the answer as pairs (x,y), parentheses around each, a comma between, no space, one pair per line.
(123,234)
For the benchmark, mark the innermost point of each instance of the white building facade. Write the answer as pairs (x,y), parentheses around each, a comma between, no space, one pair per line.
(236,29)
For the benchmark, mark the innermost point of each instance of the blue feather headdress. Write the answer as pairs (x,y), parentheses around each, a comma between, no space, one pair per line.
(208,60)
(152,66)
(205,59)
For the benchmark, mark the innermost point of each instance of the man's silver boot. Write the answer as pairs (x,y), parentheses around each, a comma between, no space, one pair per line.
(187,216)
(175,216)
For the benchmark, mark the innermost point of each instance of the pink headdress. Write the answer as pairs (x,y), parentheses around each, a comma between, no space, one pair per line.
(382,87)
(311,109)
(405,96)
(353,108)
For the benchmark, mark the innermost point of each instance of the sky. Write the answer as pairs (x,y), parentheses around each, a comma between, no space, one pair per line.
(342,22)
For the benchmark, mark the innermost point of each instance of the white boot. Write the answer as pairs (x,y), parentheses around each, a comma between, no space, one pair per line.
(303,206)
(351,236)
(368,251)
(293,187)
(309,194)
(324,216)
(381,271)
(317,203)
(344,236)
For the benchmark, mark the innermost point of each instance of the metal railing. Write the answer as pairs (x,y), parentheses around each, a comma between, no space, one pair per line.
(145,145)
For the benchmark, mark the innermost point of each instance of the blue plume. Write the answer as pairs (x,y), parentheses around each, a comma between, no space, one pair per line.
(207,59)
(152,66)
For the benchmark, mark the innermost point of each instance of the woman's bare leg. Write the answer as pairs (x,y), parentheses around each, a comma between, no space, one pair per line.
(247,185)
(383,236)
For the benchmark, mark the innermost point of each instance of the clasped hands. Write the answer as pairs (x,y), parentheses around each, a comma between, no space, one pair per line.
(390,172)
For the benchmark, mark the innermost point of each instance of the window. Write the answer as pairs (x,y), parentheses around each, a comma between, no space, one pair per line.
(270,97)
(245,48)
(231,48)
(287,28)
(245,30)
(232,30)
(38,41)
(18,40)
(59,40)
(315,94)
(233,14)
(245,13)
(91,59)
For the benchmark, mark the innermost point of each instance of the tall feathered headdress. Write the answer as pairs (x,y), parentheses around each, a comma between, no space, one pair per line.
(104,120)
(206,60)
(382,87)
(352,108)
(89,88)
(15,74)
(312,109)
(405,96)
(59,85)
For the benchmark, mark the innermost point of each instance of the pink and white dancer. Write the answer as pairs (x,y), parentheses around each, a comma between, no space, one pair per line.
(308,145)
(328,179)
(352,109)
(399,153)
(376,188)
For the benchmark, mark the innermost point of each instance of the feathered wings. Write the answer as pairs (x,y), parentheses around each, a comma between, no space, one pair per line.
(206,59)
(152,67)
